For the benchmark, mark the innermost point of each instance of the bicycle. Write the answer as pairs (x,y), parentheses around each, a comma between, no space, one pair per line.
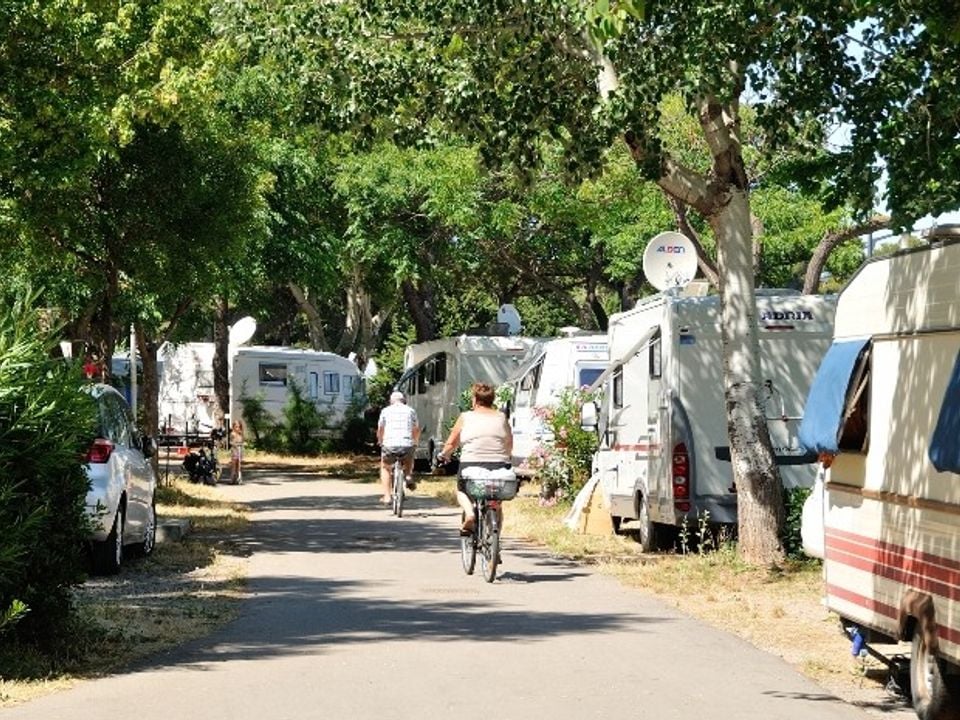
(398,486)
(487,489)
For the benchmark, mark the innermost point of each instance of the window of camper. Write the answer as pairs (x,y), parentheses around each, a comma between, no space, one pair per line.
(313,386)
(422,380)
(656,357)
(331,383)
(273,374)
(617,399)
(587,376)
(440,368)
(854,425)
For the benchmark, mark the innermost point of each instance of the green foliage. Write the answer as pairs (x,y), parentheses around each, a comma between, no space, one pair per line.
(302,423)
(46,424)
(793,499)
(563,463)
(256,417)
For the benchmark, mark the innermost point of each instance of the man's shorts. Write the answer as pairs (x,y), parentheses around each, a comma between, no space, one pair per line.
(389,454)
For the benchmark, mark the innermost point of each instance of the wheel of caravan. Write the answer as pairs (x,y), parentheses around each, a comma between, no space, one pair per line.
(936,696)
(489,545)
(468,550)
(646,530)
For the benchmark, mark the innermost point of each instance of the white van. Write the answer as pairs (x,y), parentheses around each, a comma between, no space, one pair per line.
(884,413)
(664,456)
(566,362)
(437,372)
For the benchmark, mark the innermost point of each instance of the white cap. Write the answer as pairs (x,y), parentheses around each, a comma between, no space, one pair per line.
(397,396)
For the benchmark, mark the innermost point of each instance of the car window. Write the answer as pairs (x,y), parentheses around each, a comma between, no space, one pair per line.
(113,423)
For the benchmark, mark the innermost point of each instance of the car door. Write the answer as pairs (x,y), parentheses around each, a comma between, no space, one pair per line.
(137,472)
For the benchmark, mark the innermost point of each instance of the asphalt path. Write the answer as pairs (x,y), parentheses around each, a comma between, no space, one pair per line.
(355,614)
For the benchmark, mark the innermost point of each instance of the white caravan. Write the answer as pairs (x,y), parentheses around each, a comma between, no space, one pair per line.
(885,409)
(333,383)
(186,398)
(664,454)
(566,362)
(437,372)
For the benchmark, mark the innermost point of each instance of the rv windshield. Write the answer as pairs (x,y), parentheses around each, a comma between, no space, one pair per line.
(587,376)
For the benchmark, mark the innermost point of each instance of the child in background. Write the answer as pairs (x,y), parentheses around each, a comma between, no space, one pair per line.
(236,450)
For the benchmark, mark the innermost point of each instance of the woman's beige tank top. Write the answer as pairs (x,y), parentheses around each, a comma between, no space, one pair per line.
(483,437)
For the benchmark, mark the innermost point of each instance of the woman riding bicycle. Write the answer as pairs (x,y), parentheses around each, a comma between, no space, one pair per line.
(484,435)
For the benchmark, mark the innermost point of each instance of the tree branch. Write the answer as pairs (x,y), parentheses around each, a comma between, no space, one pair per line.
(831,240)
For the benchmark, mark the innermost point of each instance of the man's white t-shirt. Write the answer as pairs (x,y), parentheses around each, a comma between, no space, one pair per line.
(398,421)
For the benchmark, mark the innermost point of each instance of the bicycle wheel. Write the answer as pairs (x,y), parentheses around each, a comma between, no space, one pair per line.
(398,489)
(489,544)
(468,549)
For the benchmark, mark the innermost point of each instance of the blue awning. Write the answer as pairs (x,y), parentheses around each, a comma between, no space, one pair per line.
(945,443)
(823,413)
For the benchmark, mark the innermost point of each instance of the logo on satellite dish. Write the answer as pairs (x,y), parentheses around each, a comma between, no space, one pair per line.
(675,249)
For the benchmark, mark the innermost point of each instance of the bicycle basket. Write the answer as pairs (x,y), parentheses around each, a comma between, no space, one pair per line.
(490,484)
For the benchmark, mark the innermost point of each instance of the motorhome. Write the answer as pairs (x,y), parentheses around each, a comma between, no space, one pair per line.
(437,372)
(574,361)
(884,415)
(331,382)
(664,456)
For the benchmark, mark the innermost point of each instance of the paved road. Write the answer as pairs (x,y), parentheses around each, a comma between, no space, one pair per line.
(355,614)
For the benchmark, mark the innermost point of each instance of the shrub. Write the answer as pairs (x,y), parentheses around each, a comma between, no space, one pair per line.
(256,417)
(46,423)
(793,499)
(563,462)
(302,423)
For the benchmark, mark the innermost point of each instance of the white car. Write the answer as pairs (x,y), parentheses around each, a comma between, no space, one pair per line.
(120,501)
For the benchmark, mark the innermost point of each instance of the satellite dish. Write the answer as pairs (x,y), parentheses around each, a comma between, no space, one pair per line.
(508,315)
(242,330)
(670,260)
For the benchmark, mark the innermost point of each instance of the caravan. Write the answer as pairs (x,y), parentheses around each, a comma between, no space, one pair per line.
(437,372)
(664,455)
(331,382)
(884,415)
(566,362)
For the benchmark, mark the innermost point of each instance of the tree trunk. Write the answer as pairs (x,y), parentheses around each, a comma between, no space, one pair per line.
(149,392)
(221,362)
(830,240)
(759,492)
(318,338)
(419,300)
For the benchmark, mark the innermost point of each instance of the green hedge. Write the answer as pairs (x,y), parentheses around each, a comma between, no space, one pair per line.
(46,423)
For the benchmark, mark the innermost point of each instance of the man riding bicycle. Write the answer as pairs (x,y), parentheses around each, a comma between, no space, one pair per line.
(398,432)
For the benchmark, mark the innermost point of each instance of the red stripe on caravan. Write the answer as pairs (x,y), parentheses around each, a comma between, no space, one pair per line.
(895,548)
(640,447)
(857,599)
(894,563)
(947,633)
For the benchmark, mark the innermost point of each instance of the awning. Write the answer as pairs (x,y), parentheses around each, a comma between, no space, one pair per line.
(823,413)
(945,443)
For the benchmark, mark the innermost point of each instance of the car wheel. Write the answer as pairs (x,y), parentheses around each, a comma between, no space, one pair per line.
(149,531)
(108,554)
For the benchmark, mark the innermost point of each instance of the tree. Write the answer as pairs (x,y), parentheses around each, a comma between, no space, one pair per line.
(512,74)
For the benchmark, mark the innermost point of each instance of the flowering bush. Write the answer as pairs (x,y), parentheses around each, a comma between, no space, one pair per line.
(562,460)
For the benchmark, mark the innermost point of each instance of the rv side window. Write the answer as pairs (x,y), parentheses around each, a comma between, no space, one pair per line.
(313,386)
(422,380)
(440,368)
(273,374)
(854,429)
(331,383)
(656,359)
(618,387)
